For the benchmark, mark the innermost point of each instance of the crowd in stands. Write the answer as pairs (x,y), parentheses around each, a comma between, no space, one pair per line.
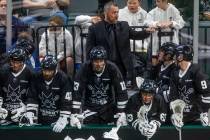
(85,69)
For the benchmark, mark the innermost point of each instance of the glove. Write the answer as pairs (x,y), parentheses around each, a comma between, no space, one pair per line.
(17,113)
(3,113)
(139,81)
(204,119)
(74,121)
(112,134)
(150,131)
(176,120)
(60,124)
(27,119)
(121,119)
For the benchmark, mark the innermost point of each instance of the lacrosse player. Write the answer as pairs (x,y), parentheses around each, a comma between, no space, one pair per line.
(189,89)
(146,111)
(161,72)
(50,95)
(96,79)
(15,82)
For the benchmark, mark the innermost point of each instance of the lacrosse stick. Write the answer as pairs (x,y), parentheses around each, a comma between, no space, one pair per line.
(177,107)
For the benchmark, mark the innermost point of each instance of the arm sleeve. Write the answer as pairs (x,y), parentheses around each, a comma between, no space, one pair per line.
(32,98)
(162,111)
(69,43)
(173,92)
(120,90)
(202,86)
(177,20)
(42,46)
(91,41)
(149,21)
(82,19)
(79,88)
(66,96)
(131,113)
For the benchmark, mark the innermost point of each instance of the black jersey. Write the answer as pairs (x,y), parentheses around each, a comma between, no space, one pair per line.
(156,110)
(98,89)
(163,80)
(14,87)
(53,98)
(193,88)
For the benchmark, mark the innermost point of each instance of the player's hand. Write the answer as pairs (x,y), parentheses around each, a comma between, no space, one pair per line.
(121,119)
(204,119)
(60,124)
(74,121)
(17,113)
(153,125)
(3,113)
(27,119)
(176,120)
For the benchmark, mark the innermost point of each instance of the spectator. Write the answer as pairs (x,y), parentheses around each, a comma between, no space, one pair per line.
(25,42)
(84,21)
(190,86)
(115,37)
(96,79)
(165,16)
(16,23)
(135,16)
(17,79)
(58,10)
(41,10)
(50,94)
(62,39)
(162,72)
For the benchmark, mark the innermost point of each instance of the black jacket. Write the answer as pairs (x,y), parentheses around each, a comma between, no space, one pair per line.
(98,35)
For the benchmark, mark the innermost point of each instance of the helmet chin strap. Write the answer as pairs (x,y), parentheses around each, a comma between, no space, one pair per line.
(148,104)
(99,73)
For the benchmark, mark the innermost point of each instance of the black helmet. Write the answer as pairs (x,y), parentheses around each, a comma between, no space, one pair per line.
(49,62)
(186,51)
(17,54)
(168,48)
(148,86)
(26,45)
(98,52)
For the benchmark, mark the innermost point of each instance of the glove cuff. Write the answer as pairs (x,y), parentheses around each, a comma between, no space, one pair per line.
(155,122)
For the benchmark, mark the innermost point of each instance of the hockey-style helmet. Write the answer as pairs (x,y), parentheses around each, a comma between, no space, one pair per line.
(148,86)
(98,52)
(49,62)
(26,45)
(168,48)
(186,51)
(17,54)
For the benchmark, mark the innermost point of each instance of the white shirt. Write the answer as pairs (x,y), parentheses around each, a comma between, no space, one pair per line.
(84,21)
(135,19)
(170,14)
(60,44)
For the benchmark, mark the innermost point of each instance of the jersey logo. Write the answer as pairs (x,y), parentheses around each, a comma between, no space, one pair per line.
(48,101)
(14,94)
(99,94)
(185,94)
